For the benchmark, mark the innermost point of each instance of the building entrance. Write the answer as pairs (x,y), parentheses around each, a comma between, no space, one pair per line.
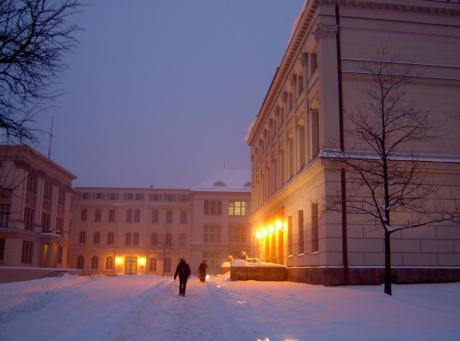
(131,265)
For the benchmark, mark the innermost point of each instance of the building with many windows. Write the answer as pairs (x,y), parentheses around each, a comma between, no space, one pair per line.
(302,126)
(147,230)
(35,212)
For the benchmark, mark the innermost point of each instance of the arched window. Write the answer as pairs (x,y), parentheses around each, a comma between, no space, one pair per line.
(183,240)
(154,239)
(155,216)
(82,236)
(135,238)
(109,263)
(110,238)
(153,265)
(167,265)
(128,238)
(96,237)
(80,262)
(168,239)
(95,263)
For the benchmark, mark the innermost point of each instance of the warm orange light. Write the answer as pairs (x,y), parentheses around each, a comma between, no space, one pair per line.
(278,225)
(265,232)
(118,260)
(258,234)
(271,229)
(141,261)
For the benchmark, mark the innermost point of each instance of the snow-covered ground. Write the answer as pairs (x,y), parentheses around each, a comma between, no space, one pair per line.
(148,308)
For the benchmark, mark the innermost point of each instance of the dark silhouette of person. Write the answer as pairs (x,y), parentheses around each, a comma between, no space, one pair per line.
(183,271)
(202,270)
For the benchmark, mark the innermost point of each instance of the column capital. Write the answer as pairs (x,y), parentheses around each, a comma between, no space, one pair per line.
(325,31)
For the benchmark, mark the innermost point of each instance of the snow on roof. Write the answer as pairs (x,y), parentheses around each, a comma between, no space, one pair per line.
(227,180)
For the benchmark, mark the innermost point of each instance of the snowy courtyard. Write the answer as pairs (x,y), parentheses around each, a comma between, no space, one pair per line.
(148,308)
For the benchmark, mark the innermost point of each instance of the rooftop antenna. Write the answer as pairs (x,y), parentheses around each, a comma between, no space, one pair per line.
(51,137)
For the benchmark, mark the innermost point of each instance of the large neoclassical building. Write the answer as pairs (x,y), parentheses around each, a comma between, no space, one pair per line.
(147,230)
(302,126)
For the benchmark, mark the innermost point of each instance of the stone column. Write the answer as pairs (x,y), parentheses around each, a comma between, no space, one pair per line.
(39,203)
(54,203)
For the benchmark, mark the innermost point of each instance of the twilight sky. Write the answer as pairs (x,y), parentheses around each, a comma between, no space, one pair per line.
(161,92)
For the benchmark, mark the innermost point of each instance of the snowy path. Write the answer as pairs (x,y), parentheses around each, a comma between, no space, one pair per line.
(148,308)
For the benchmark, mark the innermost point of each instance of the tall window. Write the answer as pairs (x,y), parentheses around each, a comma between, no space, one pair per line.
(182,240)
(82,237)
(168,239)
(2,249)
(128,238)
(213,207)
(96,237)
(154,239)
(110,238)
(183,217)
(84,214)
(46,223)
(97,215)
(94,263)
(27,251)
(137,215)
(237,233)
(152,264)
(60,251)
(301,234)
(237,208)
(169,217)
(313,62)
(301,145)
(135,239)
(167,265)
(314,228)
(129,215)
(32,181)
(4,216)
(289,236)
(80,262)
(155,216)
(211,233)
(29,216)
(314,133)
(112,216)
(109,263)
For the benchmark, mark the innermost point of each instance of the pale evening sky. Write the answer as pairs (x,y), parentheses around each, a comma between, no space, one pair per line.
(161,92)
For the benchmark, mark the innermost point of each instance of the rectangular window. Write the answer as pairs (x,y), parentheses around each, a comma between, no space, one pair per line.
(114,196)
(213,207)
(299,85)
(99,196)
(60,252)
(237,233)
(2,249)
(129,196)
(83,214)
(155,197)
(211,233)
(183,217)
(169,217)
(313,62)
(97,215)
(289,236)
(84,196)
(4,216)
(139,197)
(111,216)
(129,215)
(237,208)
(314,133)
(153,265)
(137,216)
(29,216)
(155,216)
(301,234)
(314,228)
(27,251)
(59,225)
(46,223)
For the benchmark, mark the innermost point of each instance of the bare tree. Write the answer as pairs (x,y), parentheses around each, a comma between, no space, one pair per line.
(389,183)
(34,36)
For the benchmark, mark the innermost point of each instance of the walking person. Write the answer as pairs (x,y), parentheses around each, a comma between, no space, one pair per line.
(202,270)
(183,271)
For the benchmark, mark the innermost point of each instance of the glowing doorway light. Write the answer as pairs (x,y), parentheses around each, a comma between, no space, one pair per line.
(207,277)
(271,229)
(118,260)
(265,232)
(278,225)
(141,261)
(258,234)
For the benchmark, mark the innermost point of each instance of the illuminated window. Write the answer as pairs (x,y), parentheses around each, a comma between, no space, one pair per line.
(211,233)
(213,207)
(237,208)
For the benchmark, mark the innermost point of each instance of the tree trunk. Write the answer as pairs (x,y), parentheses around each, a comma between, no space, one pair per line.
(387,264)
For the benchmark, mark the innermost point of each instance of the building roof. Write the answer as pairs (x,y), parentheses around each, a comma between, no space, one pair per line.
(227,180)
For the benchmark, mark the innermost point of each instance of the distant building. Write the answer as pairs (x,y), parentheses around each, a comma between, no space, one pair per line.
(35,211)
(319,79)
(146,230)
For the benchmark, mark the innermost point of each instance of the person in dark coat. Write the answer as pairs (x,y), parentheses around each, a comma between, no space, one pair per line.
(183,271)
(202,270)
